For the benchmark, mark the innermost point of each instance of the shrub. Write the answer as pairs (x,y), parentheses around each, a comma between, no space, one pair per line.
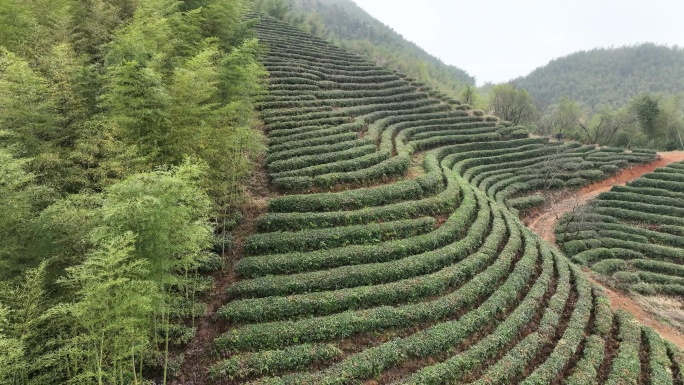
(609,266)
(273,361)
(278,242)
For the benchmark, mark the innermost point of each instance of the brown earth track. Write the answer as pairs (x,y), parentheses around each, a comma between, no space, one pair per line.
(543,222)
(644,358)
(609,352)
(199,355)
(674,367)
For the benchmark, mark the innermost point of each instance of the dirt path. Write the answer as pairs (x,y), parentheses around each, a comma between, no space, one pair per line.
(622,301)
(200,354)
(543,222)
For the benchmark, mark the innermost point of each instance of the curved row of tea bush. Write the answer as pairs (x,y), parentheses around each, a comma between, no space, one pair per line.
(427,277)
(313,140)
(637,237)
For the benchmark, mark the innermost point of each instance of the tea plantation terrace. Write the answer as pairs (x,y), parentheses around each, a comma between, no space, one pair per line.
(394,253)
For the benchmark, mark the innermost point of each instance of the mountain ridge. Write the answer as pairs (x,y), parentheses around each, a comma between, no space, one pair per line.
(611,76)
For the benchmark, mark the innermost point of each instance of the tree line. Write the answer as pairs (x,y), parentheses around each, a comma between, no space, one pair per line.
(648,120)
(629,96)
(125,142)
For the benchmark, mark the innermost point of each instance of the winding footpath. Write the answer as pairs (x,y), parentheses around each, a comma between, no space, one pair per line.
(544,222)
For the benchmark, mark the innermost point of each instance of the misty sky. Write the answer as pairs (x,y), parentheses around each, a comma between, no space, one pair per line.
(498,40)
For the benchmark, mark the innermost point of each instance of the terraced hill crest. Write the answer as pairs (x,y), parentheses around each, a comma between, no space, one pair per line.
(392,252)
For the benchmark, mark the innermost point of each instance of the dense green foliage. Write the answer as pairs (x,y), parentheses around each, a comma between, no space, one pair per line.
(608,76)
(512,104)
(125,138)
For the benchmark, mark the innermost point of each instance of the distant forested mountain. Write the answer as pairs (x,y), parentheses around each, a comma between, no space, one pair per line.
(610,76)
(347,25)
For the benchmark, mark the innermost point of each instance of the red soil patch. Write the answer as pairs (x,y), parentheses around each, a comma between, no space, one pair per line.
(664,158)
(622,301)
(543,222)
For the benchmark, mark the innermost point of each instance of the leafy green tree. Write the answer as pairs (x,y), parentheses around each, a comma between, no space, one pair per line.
(15,211)
(27,113)
(194,105)
(166,210)
(31,28)
(21,200)
(111,312)
(25,303)
(93,24)
(101,103)
(560,119)
(17,20)
(670,122)
(242,77)
(61,232)
(660,118)
(512,104)
(206,128)
(168,213)
(137,105)
(631,136)
(646,111)
(469,95)
(603,127)
(11,352)
(274,8)
(145,40)
(188,113)
(67,76)
(224,20)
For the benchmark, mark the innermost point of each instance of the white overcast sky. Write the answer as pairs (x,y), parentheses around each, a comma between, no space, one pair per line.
(499,40)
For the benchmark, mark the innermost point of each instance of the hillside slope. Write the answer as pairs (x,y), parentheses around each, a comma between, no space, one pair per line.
(348,25)
(608,76)
(393,253)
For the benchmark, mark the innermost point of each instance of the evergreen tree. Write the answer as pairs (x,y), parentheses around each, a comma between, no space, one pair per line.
(137,103)
(28,117)
(111,313)
(21,200)
(11,352)
(646,110)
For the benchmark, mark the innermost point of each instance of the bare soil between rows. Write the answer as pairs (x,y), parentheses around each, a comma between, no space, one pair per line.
(543,222)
